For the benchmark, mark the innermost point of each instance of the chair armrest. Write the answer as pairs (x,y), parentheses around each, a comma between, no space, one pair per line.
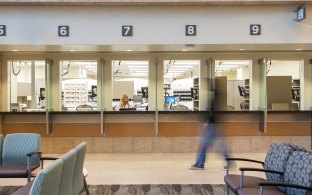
(33,153)
(29,155)
(244,159)
(290,185)
(242,169)
(42,159)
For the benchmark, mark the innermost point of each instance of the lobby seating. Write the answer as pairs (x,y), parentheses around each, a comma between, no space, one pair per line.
(72,180)
(297,178)
(20,155)
(47,182)
(273,166)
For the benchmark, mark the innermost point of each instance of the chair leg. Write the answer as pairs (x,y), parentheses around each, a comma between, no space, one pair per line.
(227,190)
(86,186)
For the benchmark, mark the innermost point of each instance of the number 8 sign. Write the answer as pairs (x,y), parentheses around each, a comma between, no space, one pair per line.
(255,29)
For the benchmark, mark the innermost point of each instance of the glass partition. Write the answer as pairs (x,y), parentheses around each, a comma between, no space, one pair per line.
(232,85)
(181,85)
(27,85)
(283,85)
(130,85)
(79,85)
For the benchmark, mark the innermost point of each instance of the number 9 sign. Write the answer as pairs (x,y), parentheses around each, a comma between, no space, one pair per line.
(255,29)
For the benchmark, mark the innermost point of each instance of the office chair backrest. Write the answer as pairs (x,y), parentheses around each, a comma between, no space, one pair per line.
(1,144)
(16,146)
(78,171)
(48,180)
(66,185)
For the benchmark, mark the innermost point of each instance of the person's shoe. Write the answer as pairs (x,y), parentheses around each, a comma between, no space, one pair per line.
(196,167)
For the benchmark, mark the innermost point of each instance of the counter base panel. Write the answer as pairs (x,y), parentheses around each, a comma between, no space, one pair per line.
(178,129)
(77,130)
(39,128)
(129,129)
(288,128)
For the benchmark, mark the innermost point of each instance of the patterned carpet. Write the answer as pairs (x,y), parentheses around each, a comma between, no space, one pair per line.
(174,189)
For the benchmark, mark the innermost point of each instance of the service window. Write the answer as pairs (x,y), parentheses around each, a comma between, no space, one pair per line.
(130,85)
(181,85)
(232,86)
(79,85)
(27,85)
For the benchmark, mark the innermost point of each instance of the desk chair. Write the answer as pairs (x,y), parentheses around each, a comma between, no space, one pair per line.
(84,107)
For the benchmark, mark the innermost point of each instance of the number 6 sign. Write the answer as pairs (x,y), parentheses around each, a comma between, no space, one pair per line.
(63,31)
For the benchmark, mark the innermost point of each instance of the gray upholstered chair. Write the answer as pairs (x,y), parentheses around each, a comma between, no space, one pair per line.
(66,186)
(79,181)
(275,162)
(20,155)
(47,182)
(297,178)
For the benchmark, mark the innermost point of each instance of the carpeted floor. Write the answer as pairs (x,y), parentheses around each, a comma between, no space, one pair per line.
(146,189)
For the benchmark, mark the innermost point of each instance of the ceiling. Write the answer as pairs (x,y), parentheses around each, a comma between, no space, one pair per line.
(150,2)
(155,48)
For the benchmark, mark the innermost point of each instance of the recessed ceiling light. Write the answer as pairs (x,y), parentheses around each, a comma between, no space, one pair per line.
(72,50)
(184,49)
(298,49)
(15,50)
(129,50)
(242,49)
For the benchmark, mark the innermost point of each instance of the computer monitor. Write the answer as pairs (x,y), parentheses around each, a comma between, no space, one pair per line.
(169,99)
(144,92)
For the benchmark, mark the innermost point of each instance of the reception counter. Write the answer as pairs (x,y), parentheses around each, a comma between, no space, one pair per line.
(158,131)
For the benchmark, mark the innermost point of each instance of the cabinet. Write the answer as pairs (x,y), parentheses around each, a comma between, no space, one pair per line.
(247,90)
(195,94)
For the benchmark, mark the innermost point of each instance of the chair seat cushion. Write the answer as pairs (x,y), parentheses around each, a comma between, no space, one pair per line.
(23,190)
(256,191)
(233,181)
(14,171)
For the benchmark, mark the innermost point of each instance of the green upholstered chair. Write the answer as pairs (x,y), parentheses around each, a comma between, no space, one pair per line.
(47,182)
(79,181)
(20,155)
(66,186)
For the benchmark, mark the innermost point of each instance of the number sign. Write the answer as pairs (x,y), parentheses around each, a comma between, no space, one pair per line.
(255,29)
(2,30)
(190,30)
(63,31)
(127,31)
(301,13)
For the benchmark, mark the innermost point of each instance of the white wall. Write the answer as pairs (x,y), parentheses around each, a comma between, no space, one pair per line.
(285,68)
(152,24)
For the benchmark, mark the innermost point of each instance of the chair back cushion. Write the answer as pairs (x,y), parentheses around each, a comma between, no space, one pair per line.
(78,172)
(296,147)
(299,171)
(16,146)
(1,144)
(276,159)
(66,185)
(47,182)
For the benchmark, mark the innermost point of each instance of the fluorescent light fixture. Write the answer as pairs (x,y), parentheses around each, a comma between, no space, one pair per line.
(140,66)
(138,71)
(136,62)
(241,49)
(15,50)
(298,49)
(235,62)
(187,62)
(72,50)
(129,50)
